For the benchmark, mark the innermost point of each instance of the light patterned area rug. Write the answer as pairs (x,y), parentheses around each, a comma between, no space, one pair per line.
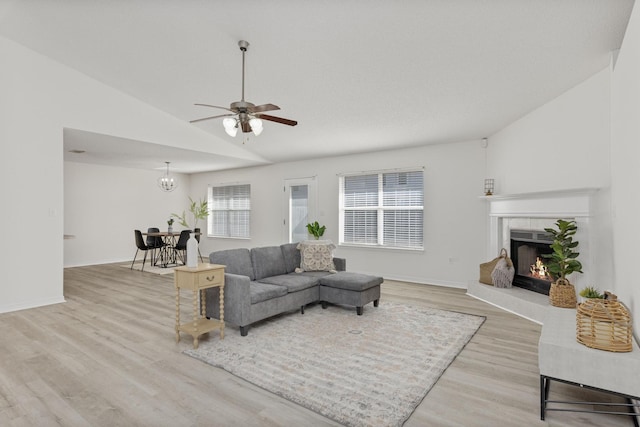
(369,370)
(148,268)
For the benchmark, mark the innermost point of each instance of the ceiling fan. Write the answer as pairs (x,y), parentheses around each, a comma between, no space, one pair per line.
(245,115)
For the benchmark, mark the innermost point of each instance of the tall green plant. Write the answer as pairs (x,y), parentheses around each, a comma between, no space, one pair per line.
(562,261)
(198,211)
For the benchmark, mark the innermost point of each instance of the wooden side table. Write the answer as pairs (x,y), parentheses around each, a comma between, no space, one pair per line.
(198,279)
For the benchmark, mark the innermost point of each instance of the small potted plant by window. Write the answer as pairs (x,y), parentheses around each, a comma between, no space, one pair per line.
(316,230)
(562,262)
(170,225)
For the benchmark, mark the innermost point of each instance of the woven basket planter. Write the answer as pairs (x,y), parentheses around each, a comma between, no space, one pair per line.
(562,294)
(605,325)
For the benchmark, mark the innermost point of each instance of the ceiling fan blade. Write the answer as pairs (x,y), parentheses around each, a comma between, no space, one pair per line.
(278,120)
(263,107)
(209,118)
(215,106)
(246,128)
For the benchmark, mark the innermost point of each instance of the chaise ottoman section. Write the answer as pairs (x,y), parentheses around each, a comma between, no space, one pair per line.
(350,288)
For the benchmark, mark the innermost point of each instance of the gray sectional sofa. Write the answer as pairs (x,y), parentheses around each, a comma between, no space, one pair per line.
(262,282)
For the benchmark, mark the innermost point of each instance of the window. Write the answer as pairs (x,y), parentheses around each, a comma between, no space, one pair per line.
(230,214)
(382,209)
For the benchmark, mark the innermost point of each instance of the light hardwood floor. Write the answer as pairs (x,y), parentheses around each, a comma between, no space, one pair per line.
(107,357)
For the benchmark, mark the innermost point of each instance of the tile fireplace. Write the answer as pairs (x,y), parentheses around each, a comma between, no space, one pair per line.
(517,223)
(531,213)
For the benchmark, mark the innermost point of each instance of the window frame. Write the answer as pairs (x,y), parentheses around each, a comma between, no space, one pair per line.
(230,224)
(380,209)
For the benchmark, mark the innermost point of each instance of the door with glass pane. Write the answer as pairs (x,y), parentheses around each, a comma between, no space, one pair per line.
(300,207)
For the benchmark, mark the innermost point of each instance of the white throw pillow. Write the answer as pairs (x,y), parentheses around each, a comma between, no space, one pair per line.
(316,255)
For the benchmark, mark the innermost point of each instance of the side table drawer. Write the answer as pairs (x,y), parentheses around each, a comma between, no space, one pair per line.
(208,278)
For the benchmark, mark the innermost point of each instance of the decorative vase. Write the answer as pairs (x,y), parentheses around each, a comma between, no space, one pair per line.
(170,229)
(563,294)
(192,251)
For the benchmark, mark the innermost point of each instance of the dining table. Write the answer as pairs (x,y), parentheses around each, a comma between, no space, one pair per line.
(167,256)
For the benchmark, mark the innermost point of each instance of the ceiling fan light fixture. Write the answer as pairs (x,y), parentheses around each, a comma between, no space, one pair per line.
(256,126)
(229,123)
(167,182)
(231,131)
(230,126)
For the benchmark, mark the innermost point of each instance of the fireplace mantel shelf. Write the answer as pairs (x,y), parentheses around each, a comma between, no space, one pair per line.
(542,194)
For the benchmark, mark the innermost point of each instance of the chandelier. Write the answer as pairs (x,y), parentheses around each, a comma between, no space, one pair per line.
(167,182)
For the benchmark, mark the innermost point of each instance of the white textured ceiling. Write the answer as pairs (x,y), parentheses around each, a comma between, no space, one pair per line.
(357,75)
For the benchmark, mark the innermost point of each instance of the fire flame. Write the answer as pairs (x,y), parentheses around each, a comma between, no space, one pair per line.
(539,270)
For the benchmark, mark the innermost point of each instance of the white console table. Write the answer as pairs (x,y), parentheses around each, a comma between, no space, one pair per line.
(562,358)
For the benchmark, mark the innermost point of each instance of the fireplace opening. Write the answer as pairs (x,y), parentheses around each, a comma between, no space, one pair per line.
(527,248)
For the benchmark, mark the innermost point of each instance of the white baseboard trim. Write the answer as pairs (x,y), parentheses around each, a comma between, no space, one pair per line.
(526,304)
(100,262)
(424,281)
(31,304)
(505,309)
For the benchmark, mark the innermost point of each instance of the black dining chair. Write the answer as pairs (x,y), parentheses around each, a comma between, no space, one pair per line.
(141,246)
(197,231)
(180,249)
(155,243)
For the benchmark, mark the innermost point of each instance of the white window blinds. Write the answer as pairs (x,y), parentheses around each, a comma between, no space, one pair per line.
(230,211)
(382,209)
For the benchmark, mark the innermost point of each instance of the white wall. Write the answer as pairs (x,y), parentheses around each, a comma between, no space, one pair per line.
(454,175)
(588,137)
(40,98)
(625,162)
(564,144)
(104,204)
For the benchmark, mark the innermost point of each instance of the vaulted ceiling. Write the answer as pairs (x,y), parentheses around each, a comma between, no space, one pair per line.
(356,75)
